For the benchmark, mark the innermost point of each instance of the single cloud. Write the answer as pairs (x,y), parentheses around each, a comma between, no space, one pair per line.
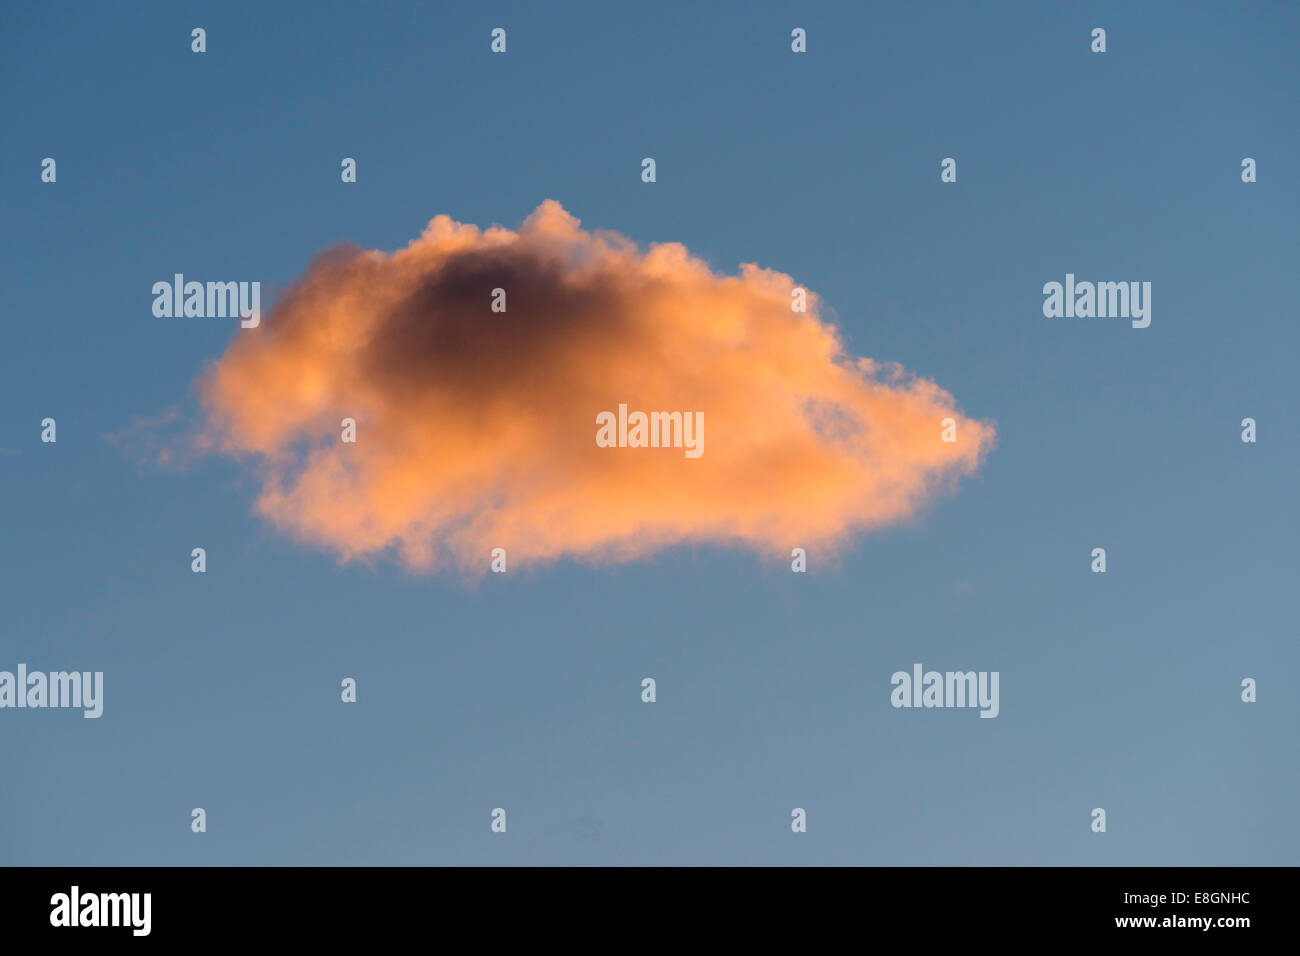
(477,429)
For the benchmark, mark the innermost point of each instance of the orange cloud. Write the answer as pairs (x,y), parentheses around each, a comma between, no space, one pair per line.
(477,429)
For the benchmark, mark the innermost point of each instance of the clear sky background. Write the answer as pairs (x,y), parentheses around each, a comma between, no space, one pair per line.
(1119,690)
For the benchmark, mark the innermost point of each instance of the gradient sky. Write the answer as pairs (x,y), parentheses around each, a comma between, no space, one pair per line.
(523,690)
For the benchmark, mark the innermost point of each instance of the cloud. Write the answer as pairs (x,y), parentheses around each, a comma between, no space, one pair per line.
(153,440)
(477,429)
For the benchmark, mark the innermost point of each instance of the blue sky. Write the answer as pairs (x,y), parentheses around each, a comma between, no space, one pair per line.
(523,691)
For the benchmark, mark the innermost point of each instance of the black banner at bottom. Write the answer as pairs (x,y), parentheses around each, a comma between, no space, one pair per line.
(662,906)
